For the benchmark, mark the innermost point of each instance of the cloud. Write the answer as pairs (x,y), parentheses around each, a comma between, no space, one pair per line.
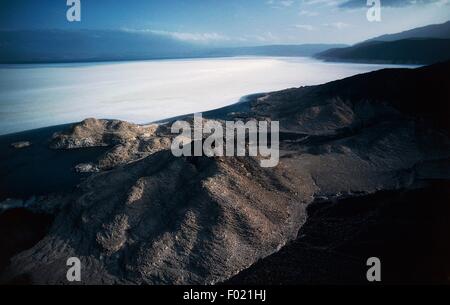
(337,25)
(196,37)
(306,27)
(287,2)
(280,3)
(322,2)
(388,3)
(185,36)
(307,13)
(267,37)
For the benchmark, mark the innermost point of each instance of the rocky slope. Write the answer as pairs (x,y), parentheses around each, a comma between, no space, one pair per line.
(149,217)
(406,229)
(129,142)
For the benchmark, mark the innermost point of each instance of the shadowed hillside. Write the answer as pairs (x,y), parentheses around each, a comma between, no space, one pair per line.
(407,51)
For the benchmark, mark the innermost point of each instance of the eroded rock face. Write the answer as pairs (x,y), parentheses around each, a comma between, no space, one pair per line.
(86,168)
(128,141)
(93,132)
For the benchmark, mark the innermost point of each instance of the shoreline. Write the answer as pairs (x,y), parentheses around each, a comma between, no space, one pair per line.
(128,92)
(37,170)
(27,170)
(237,106)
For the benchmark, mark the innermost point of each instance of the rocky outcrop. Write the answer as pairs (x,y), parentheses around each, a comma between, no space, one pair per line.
(86,168)
(93,132)
(150,217)
(128,141)
(22,144)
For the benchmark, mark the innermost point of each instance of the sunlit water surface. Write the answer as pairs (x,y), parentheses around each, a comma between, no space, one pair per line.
(33,96)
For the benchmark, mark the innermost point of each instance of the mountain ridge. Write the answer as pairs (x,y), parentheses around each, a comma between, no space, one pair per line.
(407,51)
(439,30)
(66,46)
(424,45)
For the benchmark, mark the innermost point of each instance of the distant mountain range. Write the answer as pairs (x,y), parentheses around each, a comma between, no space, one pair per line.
(275,50)
(406,51)
(88,45)
(46,46)
(441,31)
(424,45)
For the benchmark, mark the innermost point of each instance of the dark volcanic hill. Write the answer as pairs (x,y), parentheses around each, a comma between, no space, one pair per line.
(437,31)
(424,45)
(407,230)
(405,51)
(146,216)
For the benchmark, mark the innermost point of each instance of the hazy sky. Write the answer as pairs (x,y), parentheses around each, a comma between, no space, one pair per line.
(231,22)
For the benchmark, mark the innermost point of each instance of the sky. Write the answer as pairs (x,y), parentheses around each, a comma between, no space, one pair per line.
(231,22)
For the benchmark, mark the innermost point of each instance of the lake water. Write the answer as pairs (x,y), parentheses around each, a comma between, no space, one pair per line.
(33,96)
